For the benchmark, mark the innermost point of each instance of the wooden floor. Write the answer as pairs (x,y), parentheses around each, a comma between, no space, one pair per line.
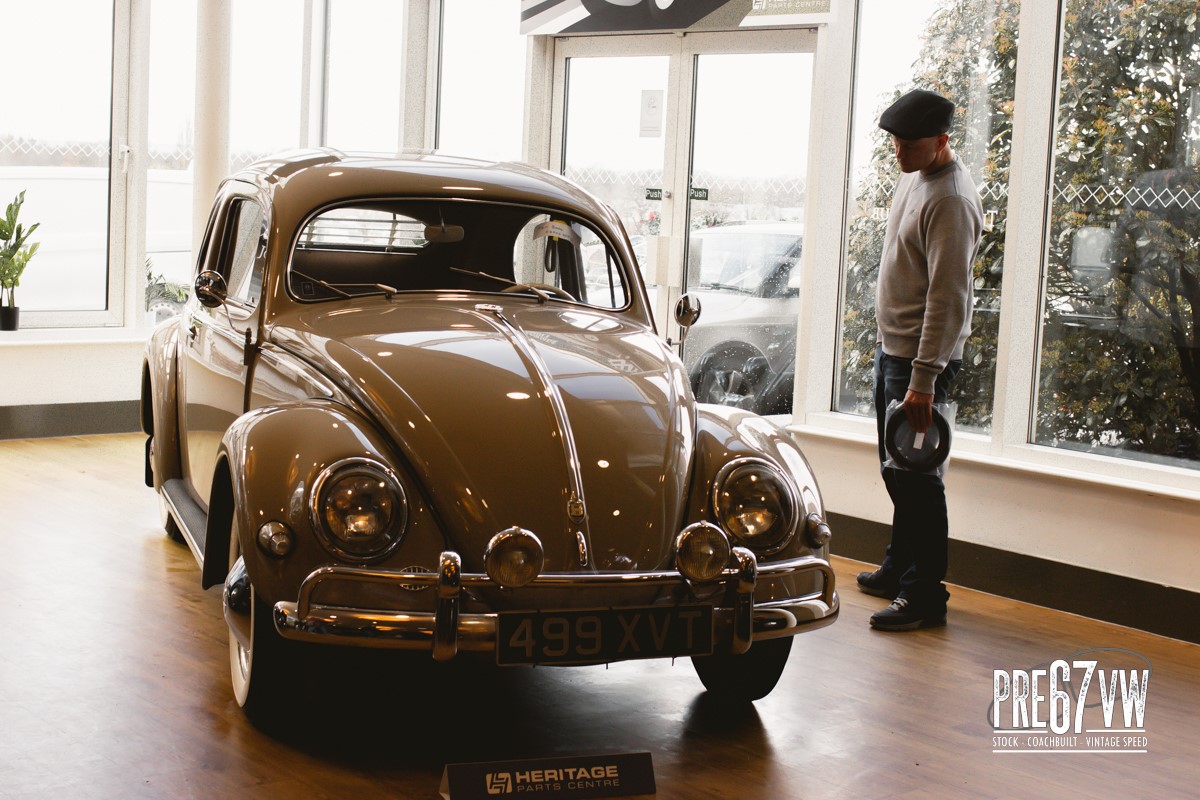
(114,684)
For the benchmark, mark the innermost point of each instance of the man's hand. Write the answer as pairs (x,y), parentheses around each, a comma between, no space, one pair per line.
(918,407)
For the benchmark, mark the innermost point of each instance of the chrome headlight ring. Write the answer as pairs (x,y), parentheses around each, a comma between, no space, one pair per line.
(358,509)
(756,504)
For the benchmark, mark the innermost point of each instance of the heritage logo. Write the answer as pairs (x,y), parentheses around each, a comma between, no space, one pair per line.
(499,783)
(1071,705)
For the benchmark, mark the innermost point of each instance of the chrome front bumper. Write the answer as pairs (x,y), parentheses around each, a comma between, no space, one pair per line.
(447,632)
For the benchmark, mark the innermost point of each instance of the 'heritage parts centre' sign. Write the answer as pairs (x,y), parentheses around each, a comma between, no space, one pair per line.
(617,775)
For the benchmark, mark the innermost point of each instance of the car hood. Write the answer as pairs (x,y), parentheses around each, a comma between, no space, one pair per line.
(576,425)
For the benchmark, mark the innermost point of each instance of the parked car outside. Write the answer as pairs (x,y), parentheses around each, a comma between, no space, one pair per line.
(397,413)
(742,353)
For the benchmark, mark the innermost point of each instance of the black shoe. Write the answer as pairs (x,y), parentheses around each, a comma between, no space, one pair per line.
(879,584)
(904,615)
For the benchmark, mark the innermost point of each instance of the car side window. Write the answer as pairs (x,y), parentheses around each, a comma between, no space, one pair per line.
(243,251)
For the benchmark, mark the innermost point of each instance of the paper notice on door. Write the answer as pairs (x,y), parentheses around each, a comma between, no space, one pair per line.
(652,113)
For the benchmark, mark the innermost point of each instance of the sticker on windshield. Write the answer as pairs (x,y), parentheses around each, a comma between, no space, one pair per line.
(556,228)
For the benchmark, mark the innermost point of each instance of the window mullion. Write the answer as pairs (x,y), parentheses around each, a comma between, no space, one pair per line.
(1033,122)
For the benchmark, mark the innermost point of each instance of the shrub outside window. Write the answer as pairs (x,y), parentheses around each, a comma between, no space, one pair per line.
(967,52)
(1119,370)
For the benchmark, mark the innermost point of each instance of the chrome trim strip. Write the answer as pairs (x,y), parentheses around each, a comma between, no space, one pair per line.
(576,507)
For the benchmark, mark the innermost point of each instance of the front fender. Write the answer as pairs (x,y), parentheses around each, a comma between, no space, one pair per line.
(725,434)
(271,457)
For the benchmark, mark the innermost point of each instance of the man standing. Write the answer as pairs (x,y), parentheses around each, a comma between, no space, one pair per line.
(923,316)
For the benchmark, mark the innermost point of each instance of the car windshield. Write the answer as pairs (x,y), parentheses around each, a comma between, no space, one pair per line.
(741,261)
(393,247)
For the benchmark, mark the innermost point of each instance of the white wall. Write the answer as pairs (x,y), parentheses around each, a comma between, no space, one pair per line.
(43,367)
(1131,530)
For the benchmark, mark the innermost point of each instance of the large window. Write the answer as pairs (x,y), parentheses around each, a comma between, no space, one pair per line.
(170,134)
(966,50)
(267,66)
(481,110)
(1120,352)
(55,146)
(365,78)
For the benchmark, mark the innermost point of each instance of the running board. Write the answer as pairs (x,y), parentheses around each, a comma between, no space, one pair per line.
(192,521)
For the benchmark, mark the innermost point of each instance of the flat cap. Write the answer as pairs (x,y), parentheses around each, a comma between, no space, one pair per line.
(918,114)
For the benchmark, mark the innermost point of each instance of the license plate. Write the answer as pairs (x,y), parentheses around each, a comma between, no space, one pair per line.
(592,637)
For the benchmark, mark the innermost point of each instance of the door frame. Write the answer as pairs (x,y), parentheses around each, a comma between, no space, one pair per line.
(683,48)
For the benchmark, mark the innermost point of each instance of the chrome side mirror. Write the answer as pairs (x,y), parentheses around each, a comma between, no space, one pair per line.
(687,311)
(211,290)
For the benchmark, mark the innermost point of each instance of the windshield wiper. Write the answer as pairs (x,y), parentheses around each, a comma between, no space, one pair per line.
(725,287)
(337,288)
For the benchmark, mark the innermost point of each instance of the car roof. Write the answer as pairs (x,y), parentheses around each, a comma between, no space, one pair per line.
(300,181)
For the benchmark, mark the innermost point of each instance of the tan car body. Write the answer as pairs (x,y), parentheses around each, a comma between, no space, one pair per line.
(492,410)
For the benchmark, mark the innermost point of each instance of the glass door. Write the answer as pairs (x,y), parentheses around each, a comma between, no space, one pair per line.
(700,143)
(615,94)
(748,163)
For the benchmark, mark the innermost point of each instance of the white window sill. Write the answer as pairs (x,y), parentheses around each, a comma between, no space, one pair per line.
(1034,460)
(27,337)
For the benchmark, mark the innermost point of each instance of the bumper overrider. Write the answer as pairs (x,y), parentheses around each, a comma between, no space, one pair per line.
(737,621)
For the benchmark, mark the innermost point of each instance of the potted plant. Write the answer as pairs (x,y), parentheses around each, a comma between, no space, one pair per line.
(164,299)
(14,257)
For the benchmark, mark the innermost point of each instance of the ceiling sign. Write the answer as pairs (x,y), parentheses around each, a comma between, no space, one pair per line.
(583,17)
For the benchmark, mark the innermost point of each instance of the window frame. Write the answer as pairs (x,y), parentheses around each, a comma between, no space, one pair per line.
(121,184)
(1009,446)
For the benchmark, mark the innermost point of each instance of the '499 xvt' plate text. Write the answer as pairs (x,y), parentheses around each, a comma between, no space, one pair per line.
(582,637)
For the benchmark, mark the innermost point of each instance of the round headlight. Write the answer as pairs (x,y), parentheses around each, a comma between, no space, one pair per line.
(513,558)
(359,509)
(701,552)
(755,504)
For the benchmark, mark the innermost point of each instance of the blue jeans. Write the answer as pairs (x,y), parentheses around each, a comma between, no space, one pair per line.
(920,528)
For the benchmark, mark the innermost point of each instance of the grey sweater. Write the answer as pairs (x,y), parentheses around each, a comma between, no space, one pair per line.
(924,297)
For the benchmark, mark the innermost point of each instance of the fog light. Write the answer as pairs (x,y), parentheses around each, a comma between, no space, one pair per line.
(513,558)
(275,538)
(701,552)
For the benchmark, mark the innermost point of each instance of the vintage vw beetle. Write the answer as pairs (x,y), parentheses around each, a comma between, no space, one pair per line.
(398,412)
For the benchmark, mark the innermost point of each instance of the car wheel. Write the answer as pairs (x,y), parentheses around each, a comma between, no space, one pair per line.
(255,666)
(731,377)
(746,676)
